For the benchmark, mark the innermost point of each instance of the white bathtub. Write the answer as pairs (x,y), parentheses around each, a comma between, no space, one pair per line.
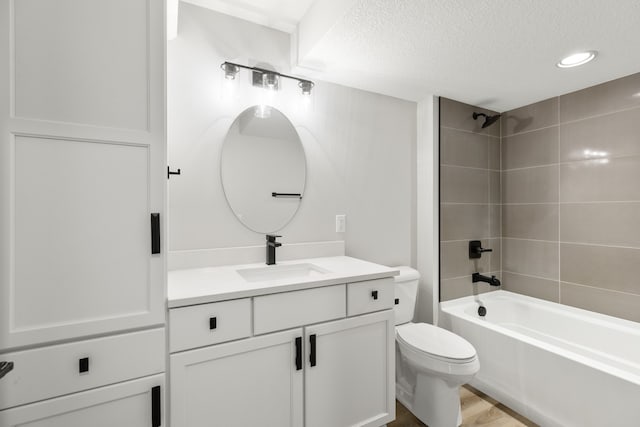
(556,365)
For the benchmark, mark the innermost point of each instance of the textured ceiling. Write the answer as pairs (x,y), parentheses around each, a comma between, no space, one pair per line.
(498,54)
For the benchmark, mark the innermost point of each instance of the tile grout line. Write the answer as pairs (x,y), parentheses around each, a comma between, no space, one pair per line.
(600,289)
(571,162)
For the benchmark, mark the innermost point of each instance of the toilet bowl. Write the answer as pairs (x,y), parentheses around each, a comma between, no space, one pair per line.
(431,363)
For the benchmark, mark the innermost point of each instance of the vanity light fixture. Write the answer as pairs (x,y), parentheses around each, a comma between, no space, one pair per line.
(576,59)
(265,78)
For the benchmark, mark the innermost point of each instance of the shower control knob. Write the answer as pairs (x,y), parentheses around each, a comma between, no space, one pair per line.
(476,249)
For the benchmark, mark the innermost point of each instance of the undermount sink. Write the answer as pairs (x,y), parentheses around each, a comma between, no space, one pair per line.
(281,272)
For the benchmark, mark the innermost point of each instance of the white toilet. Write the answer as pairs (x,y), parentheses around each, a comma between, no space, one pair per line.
(431,363)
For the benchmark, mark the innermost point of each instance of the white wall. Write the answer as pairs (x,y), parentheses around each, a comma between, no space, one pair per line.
(360,146)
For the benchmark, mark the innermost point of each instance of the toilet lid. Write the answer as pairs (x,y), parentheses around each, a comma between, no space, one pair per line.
(436,341)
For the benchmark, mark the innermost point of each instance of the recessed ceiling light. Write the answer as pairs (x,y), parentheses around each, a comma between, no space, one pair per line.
(577,59)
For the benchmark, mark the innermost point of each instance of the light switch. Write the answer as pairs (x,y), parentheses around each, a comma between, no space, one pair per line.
(341,223)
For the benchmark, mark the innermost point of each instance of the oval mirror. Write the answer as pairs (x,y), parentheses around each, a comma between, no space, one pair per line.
(263,169)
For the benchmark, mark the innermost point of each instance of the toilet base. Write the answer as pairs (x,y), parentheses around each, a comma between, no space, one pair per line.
(435,401)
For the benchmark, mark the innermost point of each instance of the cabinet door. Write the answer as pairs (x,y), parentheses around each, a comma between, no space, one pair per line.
(82,167)
(353,380)
(251,382)
(135,403)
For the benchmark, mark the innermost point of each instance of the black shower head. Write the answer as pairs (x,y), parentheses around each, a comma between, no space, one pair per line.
(488,120)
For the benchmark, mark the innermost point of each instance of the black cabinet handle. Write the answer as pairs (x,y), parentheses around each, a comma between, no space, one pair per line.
(155,406)
(298,353)
(396,301)
(83,365)
(374,294)
(5,368)
(155,233)
(213,323)
(312,349)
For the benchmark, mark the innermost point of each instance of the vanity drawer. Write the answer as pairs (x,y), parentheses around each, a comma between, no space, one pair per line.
(370,295)
(290,309)
(206,324)
(56,370)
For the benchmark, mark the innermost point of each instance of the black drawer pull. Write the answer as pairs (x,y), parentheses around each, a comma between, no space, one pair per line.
(213,323)
(312,350)
(156,416)
(155,233)
(374,294)
(397,301)
(5,368)
(83,365)
(298,353)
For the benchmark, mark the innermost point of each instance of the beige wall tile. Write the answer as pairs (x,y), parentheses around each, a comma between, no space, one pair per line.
(457,115)
(535,148)
(461,148)
(531,286)
(495,220)
(463,287)
(616,134)
(463,185)
(605,267)
(531,185)
(464,222)
(455,262)
(601,99)
(535,116)
(538,222)
(531,257)
(601,300)
(601,180)
(616,224)
(494,153)
(494,187)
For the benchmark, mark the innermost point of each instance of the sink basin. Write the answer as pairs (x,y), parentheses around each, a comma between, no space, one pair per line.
(281,272)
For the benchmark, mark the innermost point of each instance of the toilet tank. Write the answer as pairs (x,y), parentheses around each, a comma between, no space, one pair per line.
(406,291)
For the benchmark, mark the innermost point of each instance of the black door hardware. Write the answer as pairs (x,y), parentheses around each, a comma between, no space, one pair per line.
(298,353)
(170,172)
(213,323)
(374,294)
(312,350)
(83,365)
(155,233)
(396,301)
(155,406)
(476,249)
(5,368)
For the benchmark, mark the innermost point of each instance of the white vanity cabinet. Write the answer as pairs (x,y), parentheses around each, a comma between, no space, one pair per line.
(306,362)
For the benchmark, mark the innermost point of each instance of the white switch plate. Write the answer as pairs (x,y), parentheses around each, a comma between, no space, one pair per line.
(341,223)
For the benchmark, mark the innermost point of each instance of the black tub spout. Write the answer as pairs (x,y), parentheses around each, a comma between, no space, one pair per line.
(493,281)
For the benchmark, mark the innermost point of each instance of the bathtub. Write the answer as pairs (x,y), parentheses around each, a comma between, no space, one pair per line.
(556,365)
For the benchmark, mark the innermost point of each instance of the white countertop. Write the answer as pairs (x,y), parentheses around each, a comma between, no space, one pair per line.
(204,285)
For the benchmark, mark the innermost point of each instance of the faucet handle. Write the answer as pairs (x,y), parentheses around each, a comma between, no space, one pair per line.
(272,237)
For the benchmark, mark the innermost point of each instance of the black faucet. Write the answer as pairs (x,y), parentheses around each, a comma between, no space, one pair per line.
(271,248)
(477,277)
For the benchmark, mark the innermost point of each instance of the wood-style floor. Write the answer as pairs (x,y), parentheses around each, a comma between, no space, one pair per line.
(478,410)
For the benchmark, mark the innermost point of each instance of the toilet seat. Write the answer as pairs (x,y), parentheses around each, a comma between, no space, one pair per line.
(435,343)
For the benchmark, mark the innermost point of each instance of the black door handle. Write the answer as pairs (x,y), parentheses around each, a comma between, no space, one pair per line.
(155,406)
(374,294)
(5,368)
(312,349)
(298,353)
(155,233)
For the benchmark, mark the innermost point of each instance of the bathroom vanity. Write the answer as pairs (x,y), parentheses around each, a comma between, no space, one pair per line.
(307,342)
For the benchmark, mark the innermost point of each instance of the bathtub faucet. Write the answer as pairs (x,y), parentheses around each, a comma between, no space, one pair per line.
(477,277)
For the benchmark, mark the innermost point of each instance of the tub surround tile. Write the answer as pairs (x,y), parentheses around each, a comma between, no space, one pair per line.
(531,185)
(603,301)
(616,134)
(464,222)
(495,153)
(463,286)
(464,185)
(536,222)
(457,115)
(535,116)
(612,224)
(601,99)
(494,187)
(601,180)
(531,257)
(495,220)
(605,267)
(461,148)
(535,148)
(455,260)
(531,286)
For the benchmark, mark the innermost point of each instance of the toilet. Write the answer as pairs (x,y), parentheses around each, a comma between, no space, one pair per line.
(431,363)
